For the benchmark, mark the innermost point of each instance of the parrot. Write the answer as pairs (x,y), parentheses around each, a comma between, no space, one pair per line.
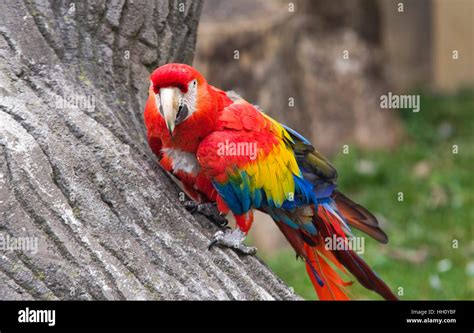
(230,155)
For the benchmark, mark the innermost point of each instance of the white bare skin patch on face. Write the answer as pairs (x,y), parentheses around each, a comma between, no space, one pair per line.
(182,161)
(189,98)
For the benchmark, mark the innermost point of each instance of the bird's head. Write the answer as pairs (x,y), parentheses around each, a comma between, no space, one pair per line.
(180,91)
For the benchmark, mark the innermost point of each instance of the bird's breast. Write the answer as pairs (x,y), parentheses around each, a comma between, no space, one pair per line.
(182,161)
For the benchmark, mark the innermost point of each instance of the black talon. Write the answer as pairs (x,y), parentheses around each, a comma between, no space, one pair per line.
(211,244)
(209,210)
(191,206)
(220,221)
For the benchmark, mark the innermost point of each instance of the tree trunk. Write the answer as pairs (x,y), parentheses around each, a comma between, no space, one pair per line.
(75,171)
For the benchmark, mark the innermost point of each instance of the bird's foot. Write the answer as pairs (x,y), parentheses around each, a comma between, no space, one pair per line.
(209,210)
(233,239)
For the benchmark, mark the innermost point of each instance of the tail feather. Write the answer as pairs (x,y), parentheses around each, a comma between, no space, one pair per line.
(323,265)
(359,217)
(333,287)
(326,281)
(349,259)
(365,275)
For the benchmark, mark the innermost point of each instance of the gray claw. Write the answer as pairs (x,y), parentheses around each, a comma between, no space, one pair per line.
(233,239)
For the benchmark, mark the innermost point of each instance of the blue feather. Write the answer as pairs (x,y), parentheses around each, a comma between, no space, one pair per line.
(294,133)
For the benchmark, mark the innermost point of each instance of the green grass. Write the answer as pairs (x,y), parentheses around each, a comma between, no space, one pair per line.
(438,205)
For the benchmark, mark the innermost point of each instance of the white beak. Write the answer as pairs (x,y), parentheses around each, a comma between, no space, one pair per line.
(169,102)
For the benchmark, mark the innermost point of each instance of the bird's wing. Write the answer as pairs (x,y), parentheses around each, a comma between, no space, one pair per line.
(250,160)
(314,165)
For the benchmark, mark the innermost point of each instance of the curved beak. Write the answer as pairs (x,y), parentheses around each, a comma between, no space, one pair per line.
(169,103)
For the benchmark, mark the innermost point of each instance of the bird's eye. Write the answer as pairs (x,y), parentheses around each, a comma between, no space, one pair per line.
(194,83)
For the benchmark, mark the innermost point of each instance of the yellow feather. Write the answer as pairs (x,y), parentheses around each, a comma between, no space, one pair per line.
(274,172)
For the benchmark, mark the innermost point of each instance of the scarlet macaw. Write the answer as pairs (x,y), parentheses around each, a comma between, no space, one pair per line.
(191,125)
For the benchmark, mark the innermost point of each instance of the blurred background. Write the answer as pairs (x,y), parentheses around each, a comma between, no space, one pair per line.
(321,67)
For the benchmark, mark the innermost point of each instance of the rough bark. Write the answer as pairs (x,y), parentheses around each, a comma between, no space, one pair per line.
(80,177)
